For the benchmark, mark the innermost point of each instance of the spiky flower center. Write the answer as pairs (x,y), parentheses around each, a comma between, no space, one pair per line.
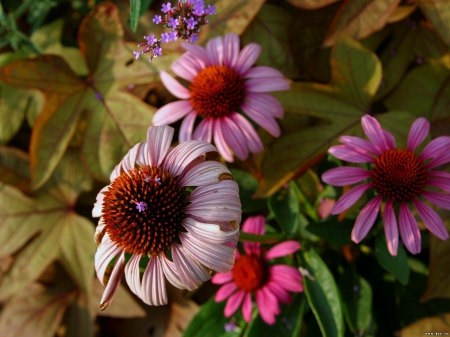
(216,91)
(399,175)
(143,209)
(249,272)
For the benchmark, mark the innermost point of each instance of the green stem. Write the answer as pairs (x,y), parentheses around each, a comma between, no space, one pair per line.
(267,238)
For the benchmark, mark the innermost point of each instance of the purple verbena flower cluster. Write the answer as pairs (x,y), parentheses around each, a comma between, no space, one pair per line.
(184,20)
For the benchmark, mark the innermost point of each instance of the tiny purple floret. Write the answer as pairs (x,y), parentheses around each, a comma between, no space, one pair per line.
(166,8)
(140,206)
(173,23)
(157,19)
(191,23)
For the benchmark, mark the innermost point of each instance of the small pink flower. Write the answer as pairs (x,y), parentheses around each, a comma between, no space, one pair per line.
(400,178)
(252,274)
(223,84)
(146,212)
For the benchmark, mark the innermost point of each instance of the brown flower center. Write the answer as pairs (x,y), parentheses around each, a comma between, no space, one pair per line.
(399,175)
(142,210)
(249,272)
(216,91)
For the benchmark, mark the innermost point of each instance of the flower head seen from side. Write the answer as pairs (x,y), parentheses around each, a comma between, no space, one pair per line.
(401,179)
(252,274)
(223,84)
(184,21)
(148,217)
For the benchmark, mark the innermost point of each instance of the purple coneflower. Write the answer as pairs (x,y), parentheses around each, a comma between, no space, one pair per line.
(252,274)
(400,177)
(149,219)
(222,84)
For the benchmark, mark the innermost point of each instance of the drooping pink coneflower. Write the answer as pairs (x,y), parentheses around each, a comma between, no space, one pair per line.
(252,274)
(223,84)
(400,178)
(149,219)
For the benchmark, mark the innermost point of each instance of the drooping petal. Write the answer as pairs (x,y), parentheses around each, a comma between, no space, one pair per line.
(282,249)
(105,253)
(174,87)
(440,199)
(221,278)
(251,136)
(205,173)
(210,233)
(183,154)
(159,139)
(219,141)
(231,50)
(172,112)
(341,176)
(280,293)
(351,154)
(431,220)
(366,219)
(191,273)
(247,57)
(97,210)
(436,148)
(266,84)
(374,132)
(132,275)
(113,282)
(247,307)
(100,231)
(289,278)
(262,117)
(348,199)
(171,272)
(235,138)
(197,51)
(263,72)
(267,102)
(204,130)
(439,179)
(214,50)
(153,286)
(187,125)
(390,228)
(233,303)
(267,305)
(225,291)
(418,132)
(409,230)
(360,143)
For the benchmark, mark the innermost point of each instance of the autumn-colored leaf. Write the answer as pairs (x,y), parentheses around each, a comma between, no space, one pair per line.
(438,12)
(435,326)
(402,12)
(359,19)
(311,4)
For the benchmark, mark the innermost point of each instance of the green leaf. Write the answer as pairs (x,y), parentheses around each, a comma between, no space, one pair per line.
(247,187)
(210,322)
(437,12)
(333,231)
(288,322)
(323,296)
(356,74)
(357,300)
(135,12)
(270,29)
(285,206)
(396,265)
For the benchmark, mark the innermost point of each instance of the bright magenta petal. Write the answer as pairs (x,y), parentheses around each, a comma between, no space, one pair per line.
(225,291)
(417,134)
(282,249)
(348,199)
(390,228)
(233,303)
(431,220)
(247,307)
(221,278)
(374,132)
(409,230)
(341,176)
(440,199)
(351,154)
(366,219)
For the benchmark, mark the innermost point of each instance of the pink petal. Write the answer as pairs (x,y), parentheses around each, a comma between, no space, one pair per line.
(360,143)
(215,50)
(247,57)
(266,102)
(266,84)
(210,233)
(341,176)
(280,293)
(171,272)
(409,230)
(174,87)
(431,220)
(439,160)
(263,72)
(187,67)
(204,130)
(184,153)
(220,142)
(132,275)
(191,273)
(439,179)
(231,50)
(440,199)
(254,225)
(197,51)
(113,282)
(390,228)
(287,277)
(106,251)
(436,148)
(187,126)
(233,303)
(234,138)
(374,132)
(390,140)
(247,307)
(348,199)
(365,219)
(417,134)
(267,305)
(172,112)
(153,286)
(225,291)
(351,154)
(221,278)
(251,136)
(159,139)
(282,249)
(205,173)
(262,117)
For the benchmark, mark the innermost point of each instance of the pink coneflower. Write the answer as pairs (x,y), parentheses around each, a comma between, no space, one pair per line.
(146,212)
(222,83)
(252,274)
(400,178)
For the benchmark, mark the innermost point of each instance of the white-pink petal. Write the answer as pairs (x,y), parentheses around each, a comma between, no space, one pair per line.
(366,219)
(204,130)
(390,228)
(98,206)
(409,230)
(170,271)
(187,125)
(247,57)
(220,142)
(174,87)
(418,132)
(234,138)
(197,51)
(187,67)
(282,249)
(105,253)
(214,50)
(231,49)
(348,199)
(153,287)
(341,176)
(207,232)
(113,282)
(249,133)
(263,72)
(132,275)
(172,112)
(266,84)
(431,220)
(205,173)
(262,117)
(159,139)
(267,102)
